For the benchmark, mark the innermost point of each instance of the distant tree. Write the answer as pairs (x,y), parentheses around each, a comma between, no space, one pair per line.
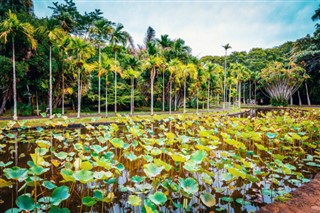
(225,47)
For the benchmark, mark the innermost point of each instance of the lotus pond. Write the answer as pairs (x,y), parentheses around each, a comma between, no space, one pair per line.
(178,164)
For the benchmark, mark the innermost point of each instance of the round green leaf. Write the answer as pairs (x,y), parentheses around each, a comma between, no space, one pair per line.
(88,201)
(60,194)
(208,199)
(158,198)
(25,202)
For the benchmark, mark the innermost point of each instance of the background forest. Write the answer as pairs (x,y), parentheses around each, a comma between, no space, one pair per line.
(72,60)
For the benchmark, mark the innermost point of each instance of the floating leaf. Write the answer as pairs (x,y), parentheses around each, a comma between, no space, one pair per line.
(134,200)
(158,198)
(208,199)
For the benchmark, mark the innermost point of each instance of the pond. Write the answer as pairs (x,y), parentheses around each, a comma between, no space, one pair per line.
(186,164)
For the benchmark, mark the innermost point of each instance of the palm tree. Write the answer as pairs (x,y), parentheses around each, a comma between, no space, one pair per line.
(131,73)
(63,49)
(187,70)
(100,32)
(53,33)
(82,51)
(117,36)
(10,28)
(226,47)
(165,44)
(174,67)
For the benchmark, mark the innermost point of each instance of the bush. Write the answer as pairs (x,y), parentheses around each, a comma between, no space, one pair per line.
(24,109)
(279,102)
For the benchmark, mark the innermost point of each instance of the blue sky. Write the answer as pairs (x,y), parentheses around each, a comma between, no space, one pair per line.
(206,25)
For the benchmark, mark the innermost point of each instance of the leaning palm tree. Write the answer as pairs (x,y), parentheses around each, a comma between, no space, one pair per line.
(117,36)
(226,47)
(53,33)
(12,27)
(82,50)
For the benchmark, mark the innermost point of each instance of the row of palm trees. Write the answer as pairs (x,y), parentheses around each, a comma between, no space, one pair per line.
(171,58)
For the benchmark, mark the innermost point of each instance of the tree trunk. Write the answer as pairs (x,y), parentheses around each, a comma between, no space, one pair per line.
(239,94)
(307,92)
(50,83)
(163,92)
(99,82)
(15,115)
(170,94)
(37,102)
(107,95)
(152,79)
(132,96)
(224,81)
(229,104)
(255,92)
(62,98)
(4,101)
(208,99)
(300,103)
(244,93)
(197,100)
(175,101)
(291,100)
(218,100)
(79,94)
(184,95)
(250,90)
(115,87)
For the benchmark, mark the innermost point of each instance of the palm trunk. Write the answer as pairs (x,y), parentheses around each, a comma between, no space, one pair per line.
(50,83)
(197,100)
(175,101)
(99,81)
(255,92)
(62,89)
(79,94)
(291,100)
(37,102)
(224,80)
(250,90)
(229,104)
(244,94)
(307,92)
(163,92)
(4,101)
(300,103)
(107,95)
(132,96)
(208,99)
(239,94)
(184,95)
(115,87)
(170,103)
(152,79)
(15,115)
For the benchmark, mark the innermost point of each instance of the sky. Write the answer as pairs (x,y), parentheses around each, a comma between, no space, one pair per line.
(206,25)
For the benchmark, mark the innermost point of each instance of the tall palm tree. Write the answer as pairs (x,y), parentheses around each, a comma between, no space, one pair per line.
(12,27)
(53,33)
(226,47)
(100,32)
(187,70)
(63,46)
(131,73)
(174,68)
(165,44)
(82,50)
(117,36)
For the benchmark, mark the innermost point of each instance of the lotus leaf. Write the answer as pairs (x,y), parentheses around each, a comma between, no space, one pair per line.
(60,194)
(208,199)
(24,202)
(158,198)
(49,185)
(88,201)
(152,170)
(55,209)
(117,143)
(227,199)
(189,185)
(84,176)
(16,173)
(198,156)
(134,200)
